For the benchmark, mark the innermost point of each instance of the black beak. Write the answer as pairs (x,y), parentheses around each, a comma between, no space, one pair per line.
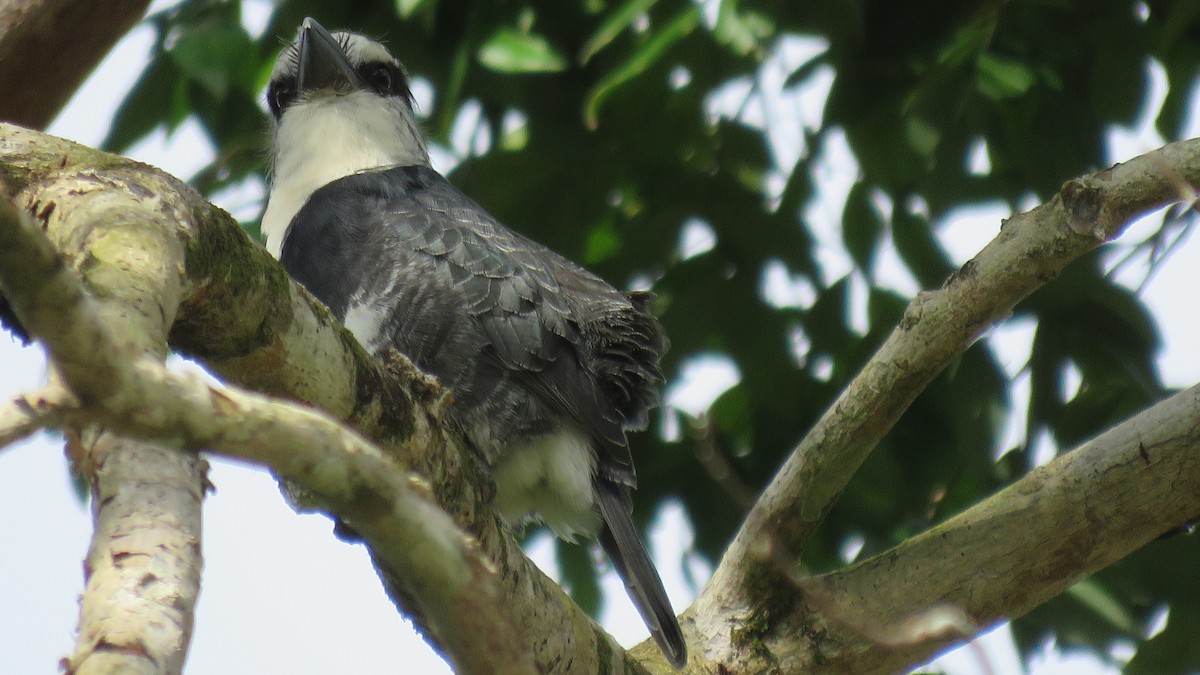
(323,64)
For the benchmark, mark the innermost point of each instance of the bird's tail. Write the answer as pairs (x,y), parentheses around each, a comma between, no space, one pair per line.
(624,547)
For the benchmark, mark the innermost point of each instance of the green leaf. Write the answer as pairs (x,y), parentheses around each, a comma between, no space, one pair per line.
(641,60)
(1000,78)
(861,226)
(612,27)
(1098,599)
(216,57)
(731,413)
(968,41)
(921,251)
(805,70)
(515,139)
(145,107)
(450,98)
(406,8)
(603,242)
(884,310)
(1175,108)
(742,32)
(922,135)
(180,108)
(579,575)
(511,51)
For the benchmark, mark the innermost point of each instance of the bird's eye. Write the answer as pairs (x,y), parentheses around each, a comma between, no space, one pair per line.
(280,97)
(381,79)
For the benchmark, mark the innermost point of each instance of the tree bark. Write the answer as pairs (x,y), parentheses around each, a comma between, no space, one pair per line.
(1031,249)
(143,565)
(48,48)
(243,318)
(999,559)
(458,597)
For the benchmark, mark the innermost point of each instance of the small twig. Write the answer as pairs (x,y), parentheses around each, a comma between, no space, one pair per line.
(712,459)
(1159,246)
(1159,256)
(26,414)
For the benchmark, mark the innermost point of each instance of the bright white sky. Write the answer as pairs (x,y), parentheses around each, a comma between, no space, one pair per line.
(282,595)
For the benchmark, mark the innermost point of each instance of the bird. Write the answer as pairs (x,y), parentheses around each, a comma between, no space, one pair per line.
(549,366)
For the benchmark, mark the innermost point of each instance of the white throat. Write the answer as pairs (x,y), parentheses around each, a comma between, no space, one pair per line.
(321,140)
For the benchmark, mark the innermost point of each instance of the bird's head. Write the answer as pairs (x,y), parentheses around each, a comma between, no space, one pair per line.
(341,105)
(320,64)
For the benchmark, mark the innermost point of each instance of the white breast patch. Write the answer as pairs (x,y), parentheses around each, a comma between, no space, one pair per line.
(549,479)
(331,137)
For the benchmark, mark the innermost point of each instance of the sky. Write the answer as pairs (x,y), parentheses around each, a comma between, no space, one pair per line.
(281,594)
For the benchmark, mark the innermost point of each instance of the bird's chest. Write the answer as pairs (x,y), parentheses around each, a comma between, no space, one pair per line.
(542,467)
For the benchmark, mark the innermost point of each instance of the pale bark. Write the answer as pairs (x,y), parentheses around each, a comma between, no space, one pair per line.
(143,564)
(1030,250)
(243,318)
(26,414)
(1060,523)
(48,47)
(1004,556)
(138,396)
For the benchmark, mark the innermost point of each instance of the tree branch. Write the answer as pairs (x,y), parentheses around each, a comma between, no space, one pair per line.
(48,47)
(26,414)
(244,319)
(143,565)
(1031,249)
(1057,525)
(1004,556)
(142,398)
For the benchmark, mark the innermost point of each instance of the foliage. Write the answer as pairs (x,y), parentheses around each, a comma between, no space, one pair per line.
(606,145)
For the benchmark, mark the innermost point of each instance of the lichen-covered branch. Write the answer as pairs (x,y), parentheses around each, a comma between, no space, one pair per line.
(138,396)
(1060,523)
(143,564)
(1024,545)
(369,491)
(242,317)
(1031,249)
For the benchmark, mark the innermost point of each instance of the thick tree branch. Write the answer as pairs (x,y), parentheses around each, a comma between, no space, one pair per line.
(143,565)
(1060,523)
(1057,525)
(48,47)
(140,397)
(245,320)
(1031,249)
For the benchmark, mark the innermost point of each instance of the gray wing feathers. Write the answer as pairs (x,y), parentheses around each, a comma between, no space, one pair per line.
(536,308)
